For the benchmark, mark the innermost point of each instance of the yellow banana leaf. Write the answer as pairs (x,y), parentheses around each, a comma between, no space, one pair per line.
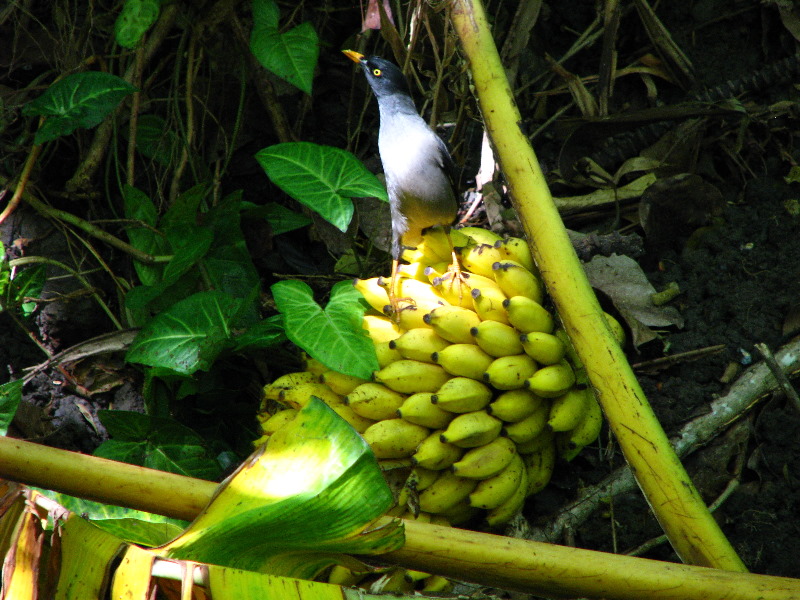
(310,494)
(132,578)
(21,562)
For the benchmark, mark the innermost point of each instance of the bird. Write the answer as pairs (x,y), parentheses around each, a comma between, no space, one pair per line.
(416,164)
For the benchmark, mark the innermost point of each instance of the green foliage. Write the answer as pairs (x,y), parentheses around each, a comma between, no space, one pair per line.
(135,19)
(334,335)
(78,100)
(156,443)
(321,177)
(10,397)
(292,55)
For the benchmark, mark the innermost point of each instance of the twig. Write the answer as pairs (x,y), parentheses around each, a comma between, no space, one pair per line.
(783,381)
(754,384)
(676,358)
(23,181)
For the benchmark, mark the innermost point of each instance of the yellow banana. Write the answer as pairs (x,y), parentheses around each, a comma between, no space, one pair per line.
(571,355)
(492,492)
(355,420)
(411,376)
(437,243)
(508,510)
(544,348)
(462,395)
(374,401)
(434,454)
(422,293)
(473,429)
(515,280)
(284,382)
(419,409)
(529,427)
(419,344)
(380,329)
(537,443)
(394,438)
(487,460)
(514,405)
(616,328)
(386,354)
(340,383)
(570,443)
(517,249)
(568,410)
(488,303)
(454,289)
(278,420)
(497,339)
(453,323)
(313,366)
(417,254)
(539,467)
(509,372)
(464,360)
(373,292)
(479,235)
(299,395)
(528,315)
(422,479)
(445,493)
(479,258)
(551,381)
(414,270)
(412,316)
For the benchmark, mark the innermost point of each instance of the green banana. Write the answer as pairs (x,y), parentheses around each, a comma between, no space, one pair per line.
(488,303)
(509,372)
(463,360)
(515,280)
(497,339)
(462,395)
(512,506)
(419,344)
(529,427)
(473,429)
(616,328)
(544,348)
(479,258)
(374,401)
(394,438)
(492,492)
(517,249)
(447,491)
(419,409)
(487,460)
(570,443)
(340,383)
(551,381)
(539,466)
(514,405)
(411,376)
(568,410)
(453,323)
(434,454)
(421,479)
(460,513)
(537,443)
(528,315)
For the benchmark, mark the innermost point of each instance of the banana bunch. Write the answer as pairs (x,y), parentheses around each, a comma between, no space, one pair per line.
(478,392)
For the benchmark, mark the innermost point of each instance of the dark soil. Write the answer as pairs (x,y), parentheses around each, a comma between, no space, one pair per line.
(737,266)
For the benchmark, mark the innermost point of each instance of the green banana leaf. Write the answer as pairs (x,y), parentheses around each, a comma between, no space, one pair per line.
(297,504)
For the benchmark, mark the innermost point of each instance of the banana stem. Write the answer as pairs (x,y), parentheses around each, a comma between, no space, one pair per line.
(491,560)
(680,510)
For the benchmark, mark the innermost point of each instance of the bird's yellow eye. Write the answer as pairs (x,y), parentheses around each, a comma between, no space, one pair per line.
(376,72)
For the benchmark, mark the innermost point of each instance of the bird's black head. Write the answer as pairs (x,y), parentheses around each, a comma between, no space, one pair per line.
(384,77)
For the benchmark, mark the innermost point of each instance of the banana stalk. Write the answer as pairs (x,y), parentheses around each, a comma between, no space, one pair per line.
(490,560)
(683,515)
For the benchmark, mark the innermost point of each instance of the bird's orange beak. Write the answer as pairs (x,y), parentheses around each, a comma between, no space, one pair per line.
(353,55)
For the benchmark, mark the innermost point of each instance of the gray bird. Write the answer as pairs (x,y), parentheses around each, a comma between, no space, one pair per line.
(417,166)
